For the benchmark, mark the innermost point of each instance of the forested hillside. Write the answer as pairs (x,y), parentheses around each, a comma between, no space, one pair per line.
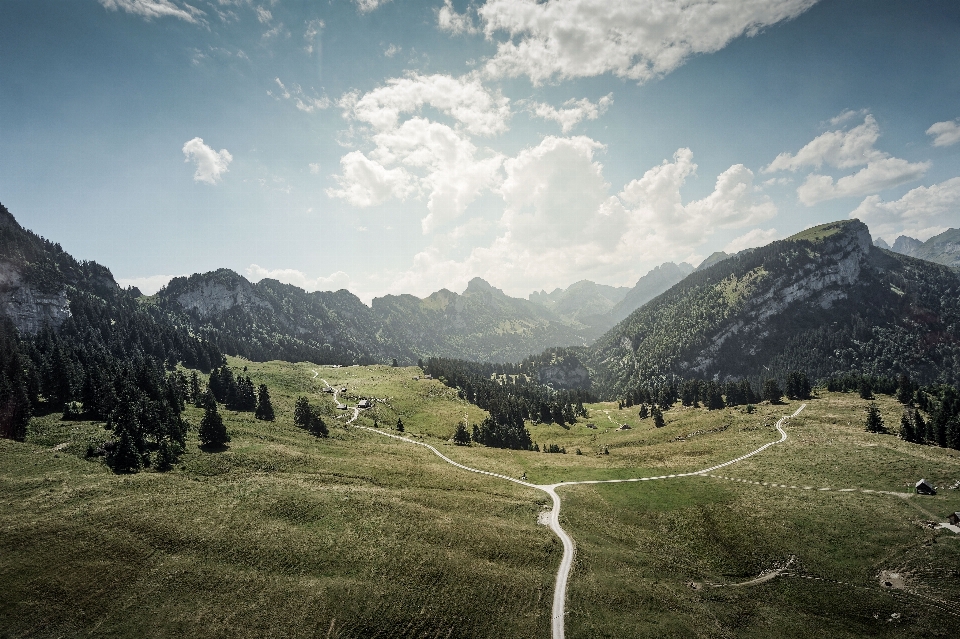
(823,302)
(270,320)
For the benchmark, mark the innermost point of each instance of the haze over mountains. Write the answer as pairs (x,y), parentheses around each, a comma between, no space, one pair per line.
(942,249)
(825,301)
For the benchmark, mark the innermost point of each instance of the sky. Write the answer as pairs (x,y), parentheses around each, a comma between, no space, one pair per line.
(400,146)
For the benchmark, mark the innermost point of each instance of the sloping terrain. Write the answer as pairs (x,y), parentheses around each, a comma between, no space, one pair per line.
(824,301)
(942,249)
(481,324)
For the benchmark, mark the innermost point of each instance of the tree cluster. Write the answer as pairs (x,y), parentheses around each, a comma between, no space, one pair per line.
(308,417)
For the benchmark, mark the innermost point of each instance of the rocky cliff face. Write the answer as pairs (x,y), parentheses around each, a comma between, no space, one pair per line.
(211,298)
(26,306)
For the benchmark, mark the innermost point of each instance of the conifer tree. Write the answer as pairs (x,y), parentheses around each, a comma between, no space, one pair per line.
(906,428)
(874,420)
(399,425)
(301,412)
(461,437)
(643,411)
(772,392)
(919,428)
(165,456)
(658,420)
(264,407)
(212,430)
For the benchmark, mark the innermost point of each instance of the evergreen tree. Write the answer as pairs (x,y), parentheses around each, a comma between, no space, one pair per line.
(905,390)
(461,437)
(301,412)
(264,407)
(658,420)
(643,411)
(126,456)
(772,392)
(874,420)
(399,425)
(919,428)
(865,389)
(212,430)
(317,426)
(196,395)
(165,456)
(907,433)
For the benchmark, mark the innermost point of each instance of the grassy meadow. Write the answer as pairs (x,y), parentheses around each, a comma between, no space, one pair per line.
(287,535)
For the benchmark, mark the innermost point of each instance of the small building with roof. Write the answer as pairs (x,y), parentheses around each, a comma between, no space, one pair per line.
(923,487)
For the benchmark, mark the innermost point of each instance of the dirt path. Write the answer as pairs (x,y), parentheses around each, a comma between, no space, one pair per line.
(569,549)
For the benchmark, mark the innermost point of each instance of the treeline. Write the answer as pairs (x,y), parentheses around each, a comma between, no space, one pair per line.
(714,395)
(510,396)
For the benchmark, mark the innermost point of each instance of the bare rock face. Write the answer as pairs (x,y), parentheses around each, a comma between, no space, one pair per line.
(28,308)
(565,372)
(211,298)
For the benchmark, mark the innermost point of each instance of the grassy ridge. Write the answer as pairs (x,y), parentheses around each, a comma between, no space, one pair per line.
(362,536)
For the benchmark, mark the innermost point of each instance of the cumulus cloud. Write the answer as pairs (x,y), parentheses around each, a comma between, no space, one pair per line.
(414,155)
(304,102)
(560,222)
(264,15)
(637,40)
(456,23)
(314,28)
(210,164)
(751,239)
(921,213)
(840,149)
(945,133)
(876,176)
(149,284)
(844,150)
(573,111)
(334,282)
(477,109)
(364,182)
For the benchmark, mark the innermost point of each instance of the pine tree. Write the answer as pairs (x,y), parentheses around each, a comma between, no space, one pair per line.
(906,428)
(772,392)
(919,428)
(301,412)
(196,395)
(461,437)
(264,407)
(212,430)
(643,411)
(165,456)
(874,420)
(399,425)
(866,391)
(658,420)
(905,390)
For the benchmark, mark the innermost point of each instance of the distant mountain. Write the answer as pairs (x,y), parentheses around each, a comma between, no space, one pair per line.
(581,299)
(942,249)
(482,324)
(648,287)
(824,301)
(714,258)
(270,320)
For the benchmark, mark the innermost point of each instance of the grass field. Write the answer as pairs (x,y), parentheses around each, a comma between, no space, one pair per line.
(356,535)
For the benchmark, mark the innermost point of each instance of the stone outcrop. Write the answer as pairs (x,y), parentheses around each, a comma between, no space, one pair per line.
(28,308)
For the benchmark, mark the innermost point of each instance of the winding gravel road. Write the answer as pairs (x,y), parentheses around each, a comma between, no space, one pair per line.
(563,573)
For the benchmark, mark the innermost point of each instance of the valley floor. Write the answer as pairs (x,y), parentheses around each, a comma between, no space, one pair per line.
(358,535)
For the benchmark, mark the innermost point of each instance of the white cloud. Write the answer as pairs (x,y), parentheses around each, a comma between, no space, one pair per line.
(573,111)
(751,239)
(845,115)
(417,155)
(639,40)
(843,150)
(876,176)
(840,149)
(945,133)
(315,168)
(304,102)
(364,182)
(264,15)
(148,285)
(456,23)
(150,9)
(334,282)
(921,213)
(210,164)
(366,6)
(314,28)
(392,50)
(479,110)
(560,223)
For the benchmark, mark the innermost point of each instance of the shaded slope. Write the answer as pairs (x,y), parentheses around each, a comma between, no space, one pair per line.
(824,301)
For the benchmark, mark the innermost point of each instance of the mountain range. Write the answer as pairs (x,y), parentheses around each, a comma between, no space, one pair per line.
(825,301)
(942,249)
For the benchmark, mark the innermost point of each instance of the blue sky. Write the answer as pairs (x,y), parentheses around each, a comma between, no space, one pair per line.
(396,146)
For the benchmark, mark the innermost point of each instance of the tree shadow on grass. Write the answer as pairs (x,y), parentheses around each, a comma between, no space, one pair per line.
(214,448)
